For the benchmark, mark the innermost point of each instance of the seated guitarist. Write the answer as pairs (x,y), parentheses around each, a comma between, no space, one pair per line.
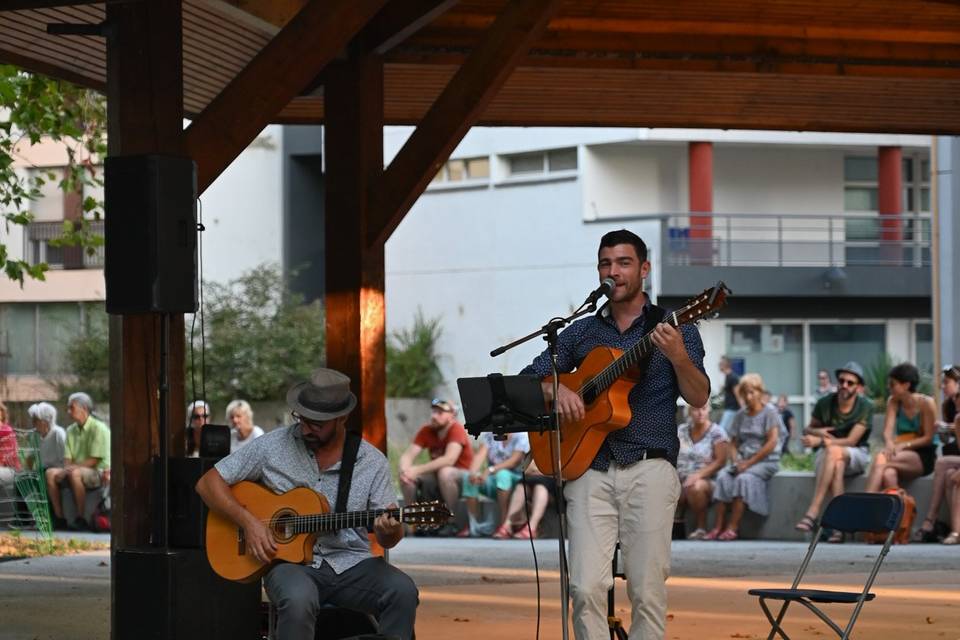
(630,491)
(308,454)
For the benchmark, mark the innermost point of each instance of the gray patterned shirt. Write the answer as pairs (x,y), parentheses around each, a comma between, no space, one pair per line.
(281,461)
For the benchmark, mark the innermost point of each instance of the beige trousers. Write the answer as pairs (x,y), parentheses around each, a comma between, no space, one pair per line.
(634,505)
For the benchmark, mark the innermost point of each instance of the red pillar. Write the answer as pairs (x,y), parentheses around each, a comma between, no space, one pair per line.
(889,198)
(701,201)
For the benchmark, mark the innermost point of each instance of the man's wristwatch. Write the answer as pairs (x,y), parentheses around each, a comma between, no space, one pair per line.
(490,469)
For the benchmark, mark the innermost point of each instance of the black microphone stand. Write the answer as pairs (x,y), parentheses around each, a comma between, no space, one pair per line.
(550,333)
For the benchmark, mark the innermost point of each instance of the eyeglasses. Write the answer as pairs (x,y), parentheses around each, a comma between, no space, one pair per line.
(847,382)
(199,415)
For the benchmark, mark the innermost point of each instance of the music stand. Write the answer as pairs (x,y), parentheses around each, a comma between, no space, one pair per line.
(503,404)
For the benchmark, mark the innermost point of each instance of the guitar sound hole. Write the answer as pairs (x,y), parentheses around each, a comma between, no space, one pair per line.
(589,395)
(282,530)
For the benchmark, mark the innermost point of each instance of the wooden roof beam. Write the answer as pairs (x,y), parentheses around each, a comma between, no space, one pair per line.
(460,104)
(18,5)
(286,65)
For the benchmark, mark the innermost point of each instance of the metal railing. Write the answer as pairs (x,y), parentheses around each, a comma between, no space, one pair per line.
(37,247)
(796,240)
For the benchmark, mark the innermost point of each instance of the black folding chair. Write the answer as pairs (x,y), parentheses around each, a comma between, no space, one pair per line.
(851,512)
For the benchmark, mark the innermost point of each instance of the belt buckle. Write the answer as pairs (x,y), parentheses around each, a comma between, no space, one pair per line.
(643,454)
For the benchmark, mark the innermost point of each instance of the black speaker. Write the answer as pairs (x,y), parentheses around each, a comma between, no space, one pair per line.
(174,595)
(188,513)
(150,262)
(214,441)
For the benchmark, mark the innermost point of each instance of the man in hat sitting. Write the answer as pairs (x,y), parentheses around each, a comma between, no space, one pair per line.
(839,429)
(308,454)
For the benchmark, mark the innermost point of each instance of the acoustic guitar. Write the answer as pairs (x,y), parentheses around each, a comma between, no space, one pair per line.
(604,380)
(295,518)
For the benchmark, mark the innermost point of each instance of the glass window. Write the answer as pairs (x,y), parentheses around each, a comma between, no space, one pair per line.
(478,168)
(59,325)
(456,170)
(562,160)
(440,177)
(860,169)
(833,345)
(526,163)
(923,334)
(18,338)
(907,169)
(775,351)
(860,199)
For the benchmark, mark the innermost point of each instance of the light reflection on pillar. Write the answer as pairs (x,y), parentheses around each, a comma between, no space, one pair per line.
(373,362)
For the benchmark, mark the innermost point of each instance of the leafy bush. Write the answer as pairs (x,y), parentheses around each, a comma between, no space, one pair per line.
(412,369)
(875,386)
(797,461)
(88,357)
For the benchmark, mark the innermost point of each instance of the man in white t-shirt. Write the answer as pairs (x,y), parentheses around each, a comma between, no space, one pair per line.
(494,472)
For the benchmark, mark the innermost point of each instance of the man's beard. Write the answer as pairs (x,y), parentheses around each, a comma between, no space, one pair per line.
(315,442)
(844,393)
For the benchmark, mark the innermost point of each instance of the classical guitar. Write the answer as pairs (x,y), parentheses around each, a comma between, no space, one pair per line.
(604,380)
(295,518)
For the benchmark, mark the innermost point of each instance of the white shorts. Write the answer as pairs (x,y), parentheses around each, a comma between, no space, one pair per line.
(859,459)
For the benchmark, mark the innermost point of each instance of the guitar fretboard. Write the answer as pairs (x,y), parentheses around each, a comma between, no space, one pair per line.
(325,522)
(630,358)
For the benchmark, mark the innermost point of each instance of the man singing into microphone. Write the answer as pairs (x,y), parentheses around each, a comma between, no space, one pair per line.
(630,491)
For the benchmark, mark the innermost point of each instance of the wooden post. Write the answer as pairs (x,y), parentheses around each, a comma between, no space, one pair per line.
(353,146)
(145,115)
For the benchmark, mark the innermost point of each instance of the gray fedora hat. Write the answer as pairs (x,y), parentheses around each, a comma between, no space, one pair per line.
(325,396)
(851,367)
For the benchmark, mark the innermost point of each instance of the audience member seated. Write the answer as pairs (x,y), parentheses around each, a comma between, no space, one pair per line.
(953,500)
(494,473)
(908,431)
(703,452)
(949,463)
(839,431)
(450,456)
(536,497)
(53,438)
(9,454)
(242,430)
(754,433)
(86,461)
(198,414)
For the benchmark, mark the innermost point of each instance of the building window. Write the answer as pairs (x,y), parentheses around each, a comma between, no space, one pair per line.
(463,170)
(775,351)
(833,345)
(542,162)
(923,339)
(39,248)
(35,338)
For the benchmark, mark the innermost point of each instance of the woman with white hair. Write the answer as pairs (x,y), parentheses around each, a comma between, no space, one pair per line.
(242,429)
(53,440)
(198,414)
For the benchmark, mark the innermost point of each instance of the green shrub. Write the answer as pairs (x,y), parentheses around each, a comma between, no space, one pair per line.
(412,369)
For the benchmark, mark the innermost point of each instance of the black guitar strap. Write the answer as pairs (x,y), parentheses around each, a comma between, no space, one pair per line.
(654,316)
(351,444)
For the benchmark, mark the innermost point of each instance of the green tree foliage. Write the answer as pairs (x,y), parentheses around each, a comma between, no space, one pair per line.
(32,108)
(88,357)
(875,375)
(412,369)
(260,338)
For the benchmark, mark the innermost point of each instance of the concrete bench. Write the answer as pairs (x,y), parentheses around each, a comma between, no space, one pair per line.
(791,492)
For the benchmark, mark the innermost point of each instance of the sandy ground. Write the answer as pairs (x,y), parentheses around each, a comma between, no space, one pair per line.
(487,590)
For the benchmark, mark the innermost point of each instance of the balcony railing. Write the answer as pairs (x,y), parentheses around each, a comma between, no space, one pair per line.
(796,240)
(38,249)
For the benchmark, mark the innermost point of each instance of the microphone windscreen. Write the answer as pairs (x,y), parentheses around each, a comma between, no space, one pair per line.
(607,285)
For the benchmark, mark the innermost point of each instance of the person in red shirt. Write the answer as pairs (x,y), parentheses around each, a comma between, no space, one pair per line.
(450,457)
(9,457)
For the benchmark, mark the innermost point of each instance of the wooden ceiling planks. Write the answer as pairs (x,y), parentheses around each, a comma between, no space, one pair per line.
(837,64)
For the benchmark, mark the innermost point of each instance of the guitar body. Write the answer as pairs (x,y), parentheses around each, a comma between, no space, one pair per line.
(580,441)
(229,554)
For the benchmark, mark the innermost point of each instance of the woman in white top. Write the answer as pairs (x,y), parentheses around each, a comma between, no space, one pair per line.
(242,429)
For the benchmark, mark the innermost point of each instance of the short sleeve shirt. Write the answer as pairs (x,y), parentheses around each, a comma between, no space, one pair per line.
(696,455)
(92,440)
(427,438)
(52,447)
(730,383)
(751,431)
(281,461)
(827,411)
(500,450)
(235,441)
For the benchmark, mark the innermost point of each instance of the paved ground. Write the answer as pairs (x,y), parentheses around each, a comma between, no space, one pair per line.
(480,589)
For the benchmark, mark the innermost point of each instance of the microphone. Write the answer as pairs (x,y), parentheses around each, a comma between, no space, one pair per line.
(606,287)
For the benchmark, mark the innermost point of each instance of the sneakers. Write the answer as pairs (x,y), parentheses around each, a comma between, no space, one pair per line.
(697,534)
(58,523)
(78,524)
(464,533)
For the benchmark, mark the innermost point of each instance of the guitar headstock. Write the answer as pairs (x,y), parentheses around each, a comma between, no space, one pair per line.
(706,304)
(434,512)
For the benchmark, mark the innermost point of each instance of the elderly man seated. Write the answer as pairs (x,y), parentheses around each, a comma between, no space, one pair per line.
(86,461)
(53,438)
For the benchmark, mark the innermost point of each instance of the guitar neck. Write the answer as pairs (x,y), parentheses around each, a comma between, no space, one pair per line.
(630,358)
(326,522)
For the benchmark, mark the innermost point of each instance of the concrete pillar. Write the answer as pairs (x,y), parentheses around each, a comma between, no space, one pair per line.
(890,198)
(948,202)
(700,176)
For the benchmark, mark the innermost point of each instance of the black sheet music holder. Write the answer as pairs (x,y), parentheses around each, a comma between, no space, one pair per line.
(503,404)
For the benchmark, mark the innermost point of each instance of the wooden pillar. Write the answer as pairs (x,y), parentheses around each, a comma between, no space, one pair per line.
(353,146)
(889,203)
(144,115)
(700,177)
